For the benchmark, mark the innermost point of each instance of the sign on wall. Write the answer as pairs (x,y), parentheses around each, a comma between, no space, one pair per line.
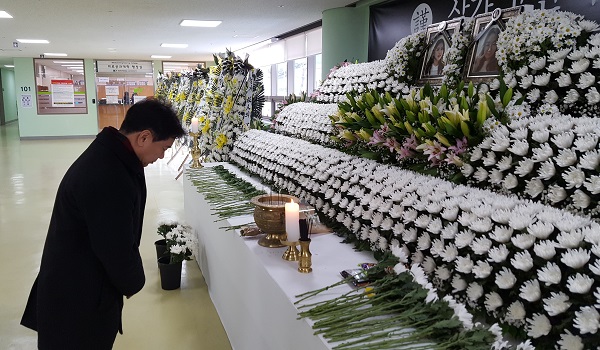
(141,67)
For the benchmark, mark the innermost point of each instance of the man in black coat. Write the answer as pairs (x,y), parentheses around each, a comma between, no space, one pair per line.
(91,257)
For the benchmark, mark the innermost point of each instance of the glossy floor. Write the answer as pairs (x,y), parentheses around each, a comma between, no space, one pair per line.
(30,171)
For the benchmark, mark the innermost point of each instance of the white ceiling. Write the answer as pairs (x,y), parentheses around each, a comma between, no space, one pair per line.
(87,29)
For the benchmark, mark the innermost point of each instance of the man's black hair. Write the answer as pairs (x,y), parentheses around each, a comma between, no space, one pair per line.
(155,115)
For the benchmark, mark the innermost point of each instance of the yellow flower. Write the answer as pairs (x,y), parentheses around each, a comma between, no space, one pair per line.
(206,127)
(368,291)
(221,140)
(228,104)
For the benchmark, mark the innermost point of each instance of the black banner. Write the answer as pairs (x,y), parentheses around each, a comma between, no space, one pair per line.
(393,20)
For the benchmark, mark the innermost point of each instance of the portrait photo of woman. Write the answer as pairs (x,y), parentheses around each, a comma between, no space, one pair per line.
(485,61)
(435,62)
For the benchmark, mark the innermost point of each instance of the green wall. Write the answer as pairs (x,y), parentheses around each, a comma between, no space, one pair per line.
(345,36)
(9,95)
(32,125)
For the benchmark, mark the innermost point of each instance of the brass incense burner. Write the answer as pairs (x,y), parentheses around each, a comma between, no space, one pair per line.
(269,216)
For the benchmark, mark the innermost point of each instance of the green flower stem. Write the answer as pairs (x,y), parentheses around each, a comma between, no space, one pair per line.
(313,293)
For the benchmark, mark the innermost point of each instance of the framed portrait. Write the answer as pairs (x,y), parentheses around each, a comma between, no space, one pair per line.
(433,59)
(482,64)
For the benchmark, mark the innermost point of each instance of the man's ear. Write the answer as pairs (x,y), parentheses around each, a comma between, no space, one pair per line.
(144,138)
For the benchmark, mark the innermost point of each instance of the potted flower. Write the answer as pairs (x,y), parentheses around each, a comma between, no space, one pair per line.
(180,246)
(161,244)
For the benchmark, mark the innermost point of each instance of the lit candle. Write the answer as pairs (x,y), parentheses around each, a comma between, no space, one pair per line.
(194,125)
(292,227)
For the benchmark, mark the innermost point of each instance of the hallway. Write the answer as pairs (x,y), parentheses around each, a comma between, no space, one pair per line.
(30,172)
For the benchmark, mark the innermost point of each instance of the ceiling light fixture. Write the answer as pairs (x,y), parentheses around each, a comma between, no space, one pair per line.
(4,14)
(177,46)
(33,41)
(71,62)
(55,54)
(160,56)
(9,66)
(195,23)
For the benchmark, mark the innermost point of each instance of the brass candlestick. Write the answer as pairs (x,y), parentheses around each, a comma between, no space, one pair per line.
(195,151)
(305,262)
(292,253)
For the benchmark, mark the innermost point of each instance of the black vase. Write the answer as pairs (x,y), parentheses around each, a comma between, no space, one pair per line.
(161,248)
(170,274)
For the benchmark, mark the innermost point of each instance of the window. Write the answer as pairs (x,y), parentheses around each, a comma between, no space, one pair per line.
(318,71)
(300,75)
(60,86)
(267,79)
(282,79)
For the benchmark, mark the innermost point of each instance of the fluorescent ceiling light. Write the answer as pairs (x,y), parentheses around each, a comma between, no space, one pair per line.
(179,63)
(33,41)
(9,66)
(75,68)
(55,54)
(194,23)
(160,56)
(177,46)
(4,14)
(71,62)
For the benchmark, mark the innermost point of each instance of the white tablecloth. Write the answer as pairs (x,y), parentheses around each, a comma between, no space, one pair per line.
(254,289)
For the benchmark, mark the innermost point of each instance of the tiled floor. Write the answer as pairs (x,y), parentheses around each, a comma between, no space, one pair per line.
(30,172)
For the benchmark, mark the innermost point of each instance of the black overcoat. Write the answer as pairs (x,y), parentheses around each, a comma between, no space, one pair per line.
(91,257)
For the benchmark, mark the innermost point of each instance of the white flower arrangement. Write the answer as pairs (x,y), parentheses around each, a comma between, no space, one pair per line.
(357,77)
(307,121)
(551,57)
(447,245)
(181,243)
(456,54)
(403,61)
(545,161)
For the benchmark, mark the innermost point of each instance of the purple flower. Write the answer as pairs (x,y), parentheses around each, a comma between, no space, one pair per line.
(460,147)
(392,144)
(410,143)
(405,152)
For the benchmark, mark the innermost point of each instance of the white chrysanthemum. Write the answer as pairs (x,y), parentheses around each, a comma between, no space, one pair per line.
(501,216)
(464,264)
(556,66)
(463,239)
(538,326)
(442,273)
(515,312)
(557,303)
(551,97)
(589,160)
(565,158)
(510,182)
(592,96)
(550,274)
(587,320)
(572,96)
(505,163)
(530,291)
(579,66)
(428,265)
(534,187)
(540,229)
(580,199)
(458,284)
(474,291)
(541,136)
(568,341)
(502,234)
(545,249)
(563,140)
(575,258)
(523,241)
(449,253)
(493,301)
(505,279)
(520,220)
(519,147)
(482,269)
(579,283)
(586,80)
(498,254)
(543,79)
(586,142)
(409,235)
(564,80)
(522,261)
(574,177)
(547,170)
(556,194)
(481,245)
